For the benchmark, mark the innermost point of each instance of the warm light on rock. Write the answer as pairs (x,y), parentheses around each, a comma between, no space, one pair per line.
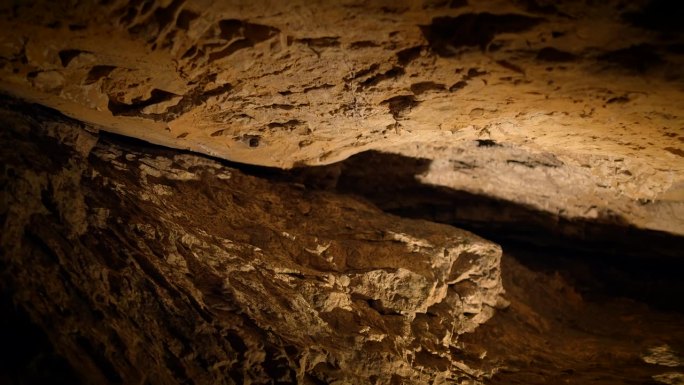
(253,192)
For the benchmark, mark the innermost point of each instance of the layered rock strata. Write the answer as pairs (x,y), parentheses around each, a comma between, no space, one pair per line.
(157,267)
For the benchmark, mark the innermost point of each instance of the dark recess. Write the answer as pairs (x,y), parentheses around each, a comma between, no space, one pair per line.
(400,105)
(487,143)
(98,72)
(407,55)
(135,108)
(637,58)
(452,4)
(664,16)
(447,34)
(551,54)
(543,7)
(27,357)
(67,55)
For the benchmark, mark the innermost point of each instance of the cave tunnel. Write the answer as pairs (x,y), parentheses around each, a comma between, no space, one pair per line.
(353,192)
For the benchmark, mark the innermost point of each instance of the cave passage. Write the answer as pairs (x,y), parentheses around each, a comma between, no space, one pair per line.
(385,192)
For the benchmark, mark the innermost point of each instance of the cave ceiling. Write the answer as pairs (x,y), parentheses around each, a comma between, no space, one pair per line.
(199,191)
(568,107)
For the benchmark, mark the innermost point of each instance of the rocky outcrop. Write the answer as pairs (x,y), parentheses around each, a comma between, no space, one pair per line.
(597,88)
(150,266)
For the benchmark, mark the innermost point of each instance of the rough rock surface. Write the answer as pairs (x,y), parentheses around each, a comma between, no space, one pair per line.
(158,267)
(482,192)
(588,94)
(604,189)
(529,184)
(555,331)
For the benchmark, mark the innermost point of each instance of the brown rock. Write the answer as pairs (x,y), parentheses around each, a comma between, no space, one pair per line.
(598,87)
(159,267)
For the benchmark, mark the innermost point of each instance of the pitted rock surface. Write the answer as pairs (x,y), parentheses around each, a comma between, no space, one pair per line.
(597,86)
(162,267)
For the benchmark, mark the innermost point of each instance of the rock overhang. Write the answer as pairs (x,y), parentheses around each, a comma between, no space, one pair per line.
(598,88)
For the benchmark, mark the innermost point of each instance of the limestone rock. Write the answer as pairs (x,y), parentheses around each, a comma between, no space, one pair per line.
(161,267)
(598,87)
(625,191)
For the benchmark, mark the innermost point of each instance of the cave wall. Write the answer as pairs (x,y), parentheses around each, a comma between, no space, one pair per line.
(171,265)
(144,265)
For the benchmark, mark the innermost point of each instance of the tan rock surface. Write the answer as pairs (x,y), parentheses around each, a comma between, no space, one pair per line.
(605,189)
(598,87)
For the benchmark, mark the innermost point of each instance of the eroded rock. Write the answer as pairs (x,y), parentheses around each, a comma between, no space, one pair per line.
(310,83)
(161,267)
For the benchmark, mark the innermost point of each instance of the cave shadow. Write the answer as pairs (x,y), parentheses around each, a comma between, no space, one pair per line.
(603,258)
(27,356)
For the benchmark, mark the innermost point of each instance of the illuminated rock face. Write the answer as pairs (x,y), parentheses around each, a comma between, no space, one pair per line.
(166,266)
(597,88)
(163,268)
